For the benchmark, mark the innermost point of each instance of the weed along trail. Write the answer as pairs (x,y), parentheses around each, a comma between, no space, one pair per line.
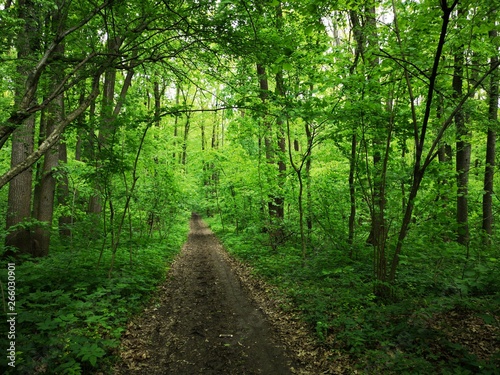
(203,321)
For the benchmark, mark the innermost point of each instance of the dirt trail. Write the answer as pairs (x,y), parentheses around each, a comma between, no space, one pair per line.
(204,321)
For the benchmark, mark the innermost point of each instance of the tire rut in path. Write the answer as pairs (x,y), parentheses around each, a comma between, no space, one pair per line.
(204,323)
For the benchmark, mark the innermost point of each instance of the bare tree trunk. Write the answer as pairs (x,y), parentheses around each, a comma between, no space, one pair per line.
(81,132)
(48,184)
(203,137)
(176,121)
(185,140)
(489,173)
(309,208)
(38,173)
(274,203)
(279,200)
(215,137)
(66,219)
(445,156)
(187,125)
(19,196)
(463,153)
(359,51)
(280,92)
(297,167)
(381,149)
(106,126)
(54,115)
(352,190)
(157,95)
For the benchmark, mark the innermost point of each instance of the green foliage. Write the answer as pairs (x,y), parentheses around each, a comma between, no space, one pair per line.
(335,296)
(71,314)
(354,90)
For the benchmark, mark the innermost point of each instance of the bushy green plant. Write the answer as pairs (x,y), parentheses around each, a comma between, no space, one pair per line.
(71,314)
(334,294)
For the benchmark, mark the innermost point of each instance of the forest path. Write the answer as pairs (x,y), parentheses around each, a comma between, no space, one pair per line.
(205,321)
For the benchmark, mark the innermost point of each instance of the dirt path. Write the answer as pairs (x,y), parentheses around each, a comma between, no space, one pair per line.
(204,321)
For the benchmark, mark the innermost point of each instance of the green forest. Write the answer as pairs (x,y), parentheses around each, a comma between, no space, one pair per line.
(344,150)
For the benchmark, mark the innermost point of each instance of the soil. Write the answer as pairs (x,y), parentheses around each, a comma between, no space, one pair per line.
(209,318)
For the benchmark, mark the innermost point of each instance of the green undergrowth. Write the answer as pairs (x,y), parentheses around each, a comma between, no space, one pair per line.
(409,334)
(71,313)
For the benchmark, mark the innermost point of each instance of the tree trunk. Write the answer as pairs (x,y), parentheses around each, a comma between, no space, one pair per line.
(445,156)
(203,137)
(80,123)
(38,173)
(309,208)
(463,153)
(157,95)
(47,183)
(280,93)
(275,201)
(106,128)
(19,196)
(66,219)
(419,167)
(187,125)
(352,190)
(381,141)
(279,200)
(176,122)
(489,173)
(185,140)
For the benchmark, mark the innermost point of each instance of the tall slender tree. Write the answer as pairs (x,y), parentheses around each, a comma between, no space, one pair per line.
(54,115)
(463,147)
(489,173)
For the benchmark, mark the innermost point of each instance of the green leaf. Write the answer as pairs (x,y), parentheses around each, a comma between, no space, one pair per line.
(310,29)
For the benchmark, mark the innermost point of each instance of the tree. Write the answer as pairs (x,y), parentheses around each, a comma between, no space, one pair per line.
(489,173)
(19,201)
(423,159)
(463,148)
(47,184)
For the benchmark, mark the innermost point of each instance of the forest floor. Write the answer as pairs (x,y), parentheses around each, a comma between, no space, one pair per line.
(211,316)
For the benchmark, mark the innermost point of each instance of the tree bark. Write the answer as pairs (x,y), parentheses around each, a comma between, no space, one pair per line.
(280,93)
(19,196)
(279,199)
(47,183)
(157,95)
(110,109)
(275,203)
(63,198)
(352,190)
(176,122)
(489,173)
(463,153)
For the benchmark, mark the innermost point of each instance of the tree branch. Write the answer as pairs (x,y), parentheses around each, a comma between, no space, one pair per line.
(53,137)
